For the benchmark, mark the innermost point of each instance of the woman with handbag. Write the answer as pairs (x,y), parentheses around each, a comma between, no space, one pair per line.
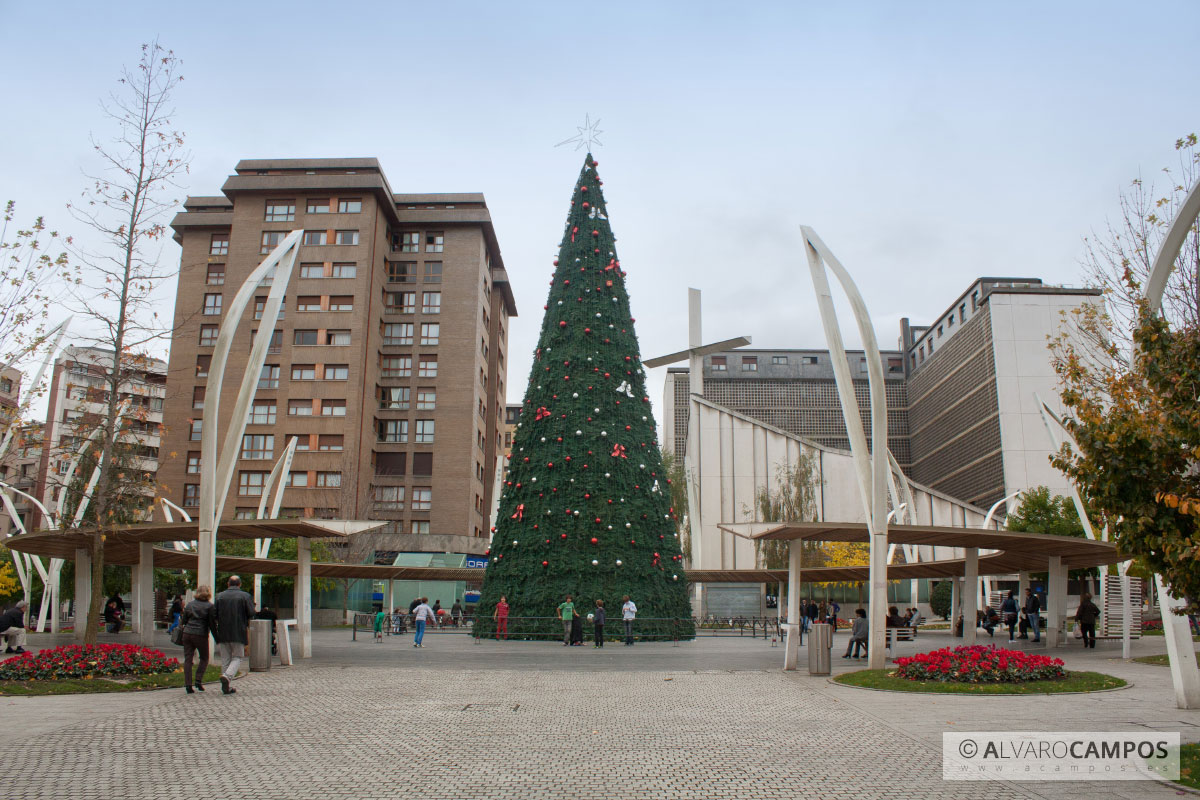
(199,620)
(1011,611)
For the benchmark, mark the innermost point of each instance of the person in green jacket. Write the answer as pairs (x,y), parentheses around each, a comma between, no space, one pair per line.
(567,613)
(379,617)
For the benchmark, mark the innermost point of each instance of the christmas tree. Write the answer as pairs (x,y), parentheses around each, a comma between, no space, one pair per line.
(585,508)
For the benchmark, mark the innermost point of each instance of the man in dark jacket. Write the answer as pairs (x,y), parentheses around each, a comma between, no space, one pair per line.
(1032,609)
(234,610)
(12,627)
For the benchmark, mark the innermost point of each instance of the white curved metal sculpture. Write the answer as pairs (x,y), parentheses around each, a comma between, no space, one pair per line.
(216,468)
(263,546)
(872,465)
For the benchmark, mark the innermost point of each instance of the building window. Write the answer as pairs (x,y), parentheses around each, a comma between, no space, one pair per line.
(304,338)
(297,480)
(402,272)
(810,359)
(394,431)
(337,372)
(779,359)
(749,363)
(939,331)
(268,278)
(346,237)
(410,242)
(350,206)
(329,480)
(422,499)
(260,307)
(212,305)
(434,241)
(316,238)
(718,363)
(330,442)
(193,463)
(196,430)
(962,313)
(308,302)
(198,397)
(219,246)
(341,302)
(390,463)
(300,408)
(333,408)
(388,498)
(430,332)
(398,334)
(422,464)
(974,300)
(281,211)
(262,413)
(275,346)
(424,433)
(269,377)
(208,335)
(344,271)
(271,240)
(318,206)
(400,302)
(216,275)
(393,397)
(337,338)
(950,321)
(426,399)
(433,272)
(396,366)
(202,363)
(312,270)
(191,495)
(245,513)
(250,484)
(304,372)
(431,303)
(303,443)
(258,446)
(427,367)
(419,527)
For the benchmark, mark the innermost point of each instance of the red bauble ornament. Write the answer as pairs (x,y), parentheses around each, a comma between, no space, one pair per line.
(564,536)
(585,204)
(587,330)
(606,375)
(595,233)
(583,188)
(550,464)
(556,262)
(597,520)
(595,540)
(567,282)
(628,428)
(545,563)
(562,323)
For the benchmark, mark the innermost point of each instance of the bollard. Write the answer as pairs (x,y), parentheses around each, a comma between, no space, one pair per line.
(260,645)
(820,642)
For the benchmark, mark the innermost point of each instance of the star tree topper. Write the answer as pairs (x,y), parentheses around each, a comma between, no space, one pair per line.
(588,134)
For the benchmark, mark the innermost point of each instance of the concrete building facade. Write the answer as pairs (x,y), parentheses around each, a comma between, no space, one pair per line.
(388,361)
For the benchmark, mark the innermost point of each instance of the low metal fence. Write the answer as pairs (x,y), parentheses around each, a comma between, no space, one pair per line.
(643,629)
(401,624)
(754,627)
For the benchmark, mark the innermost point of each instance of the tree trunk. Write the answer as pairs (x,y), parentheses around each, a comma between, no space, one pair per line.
(92,629)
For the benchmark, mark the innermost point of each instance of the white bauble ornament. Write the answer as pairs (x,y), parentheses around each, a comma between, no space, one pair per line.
(628,525)
(597,315)
(576,513)
(604,433)
(595,563)
(614,299)
(575,394)
(595,411)
(610,527)
(560,302)
(619,562)
(589,358)
(607,475)
(514,542)
(579,433)
(643,466)
(533,479)
(519,425)
(543,440)
(674,577)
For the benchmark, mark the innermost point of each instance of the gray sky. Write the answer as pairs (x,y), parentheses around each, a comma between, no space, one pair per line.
(928,143)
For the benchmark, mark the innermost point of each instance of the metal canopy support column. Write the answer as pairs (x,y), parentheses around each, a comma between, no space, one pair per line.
(791,648)
(970,595)
(303,595)
(143,598)
(1056,601)
(83,591)
(955,597)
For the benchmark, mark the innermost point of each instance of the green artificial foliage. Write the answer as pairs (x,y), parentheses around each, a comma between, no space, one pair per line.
(585,482)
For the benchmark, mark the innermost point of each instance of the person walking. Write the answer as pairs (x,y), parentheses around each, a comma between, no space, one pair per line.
(12,627)
(1032,608)
(456,613)
(424,615)
(628,615)
(1086,615)
(380,616)
(234,608)
(199,619)
(566,614)
(500,617)
(175,613)
(1009,611)
(858,634)
(833,608)
(598,624)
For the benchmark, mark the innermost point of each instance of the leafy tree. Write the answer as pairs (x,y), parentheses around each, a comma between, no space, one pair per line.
(10,587)
(1041,512)
(32,279)
(125,206)
(586,507)
(940,598)
(795,499)
(677,476)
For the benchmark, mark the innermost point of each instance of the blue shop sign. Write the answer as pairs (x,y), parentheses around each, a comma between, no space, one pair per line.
(475,562)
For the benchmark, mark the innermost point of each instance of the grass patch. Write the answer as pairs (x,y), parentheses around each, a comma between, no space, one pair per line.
(169,680)
(1158,660)
(1074,682)
(1189,765)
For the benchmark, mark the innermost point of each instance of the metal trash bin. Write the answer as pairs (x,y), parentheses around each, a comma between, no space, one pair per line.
(820,642)
(260,645)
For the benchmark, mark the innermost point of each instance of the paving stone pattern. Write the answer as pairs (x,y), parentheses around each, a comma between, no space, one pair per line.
(395,722)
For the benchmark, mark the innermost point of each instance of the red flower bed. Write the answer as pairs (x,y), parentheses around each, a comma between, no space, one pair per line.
(979,664)
(87,661)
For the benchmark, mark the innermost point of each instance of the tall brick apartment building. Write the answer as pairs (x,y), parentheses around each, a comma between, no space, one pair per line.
(388,360)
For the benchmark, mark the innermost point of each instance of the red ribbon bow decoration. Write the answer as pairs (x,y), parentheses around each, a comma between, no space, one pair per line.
(656,558)
(520,514)
(619,451)
(542,413)
(574,231)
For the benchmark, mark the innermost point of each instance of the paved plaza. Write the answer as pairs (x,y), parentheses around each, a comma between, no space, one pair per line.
(714,718)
